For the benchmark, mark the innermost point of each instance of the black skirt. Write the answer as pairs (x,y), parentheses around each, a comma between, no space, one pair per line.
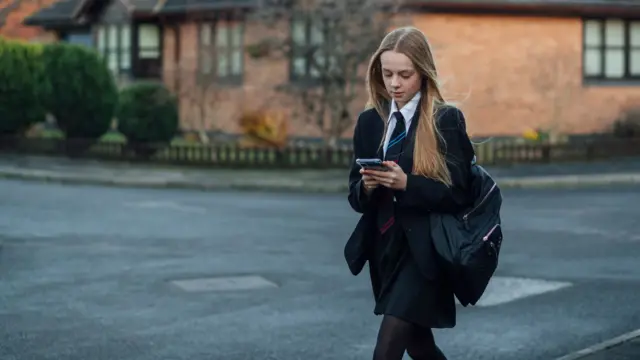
(399,287)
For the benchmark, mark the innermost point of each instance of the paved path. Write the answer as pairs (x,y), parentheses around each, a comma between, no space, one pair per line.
(107,273)
(324,181)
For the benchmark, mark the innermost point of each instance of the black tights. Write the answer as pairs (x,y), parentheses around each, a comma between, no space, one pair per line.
(397,336)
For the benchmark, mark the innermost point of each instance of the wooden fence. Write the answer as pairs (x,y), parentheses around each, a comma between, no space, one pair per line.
(499,152)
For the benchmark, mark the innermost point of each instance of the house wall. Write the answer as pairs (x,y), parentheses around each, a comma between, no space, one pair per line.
(508,74)
(219,107)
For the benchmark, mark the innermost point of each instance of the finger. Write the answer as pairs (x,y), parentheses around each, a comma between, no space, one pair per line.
(375,172)
(390,164)
(370,184)
(382,180)
(368,179)
(377,177)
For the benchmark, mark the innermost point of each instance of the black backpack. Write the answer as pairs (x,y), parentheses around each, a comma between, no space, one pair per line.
(468,244)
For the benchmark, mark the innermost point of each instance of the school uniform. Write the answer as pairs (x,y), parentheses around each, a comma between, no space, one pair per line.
(393,233)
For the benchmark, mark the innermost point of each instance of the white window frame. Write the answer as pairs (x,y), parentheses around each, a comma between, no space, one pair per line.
(611,49)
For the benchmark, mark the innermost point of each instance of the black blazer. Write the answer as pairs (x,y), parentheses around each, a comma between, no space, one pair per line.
(421,196)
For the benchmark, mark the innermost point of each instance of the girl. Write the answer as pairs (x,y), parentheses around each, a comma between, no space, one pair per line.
(427,155)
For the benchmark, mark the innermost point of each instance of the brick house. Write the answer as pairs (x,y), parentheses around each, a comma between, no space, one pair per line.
(566,66)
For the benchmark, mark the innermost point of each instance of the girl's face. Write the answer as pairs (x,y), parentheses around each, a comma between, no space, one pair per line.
(401,79)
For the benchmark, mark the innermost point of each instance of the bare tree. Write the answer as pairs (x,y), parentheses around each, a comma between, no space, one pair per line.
(198,98)
(327,45)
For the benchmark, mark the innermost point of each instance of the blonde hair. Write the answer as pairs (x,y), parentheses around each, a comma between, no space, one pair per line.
(428,160)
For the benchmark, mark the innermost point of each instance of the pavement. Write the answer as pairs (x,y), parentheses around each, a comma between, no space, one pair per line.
(63,170)
(92,272)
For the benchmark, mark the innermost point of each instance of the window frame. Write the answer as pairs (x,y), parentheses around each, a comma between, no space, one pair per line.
(602,48)
(140,50)
(297,51)
(213,52)
(106,51)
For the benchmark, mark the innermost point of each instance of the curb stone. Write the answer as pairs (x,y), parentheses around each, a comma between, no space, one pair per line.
(562,181)
(571,180)
(291,186)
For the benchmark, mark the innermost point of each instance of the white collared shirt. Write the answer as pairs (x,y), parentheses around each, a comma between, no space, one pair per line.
(407,111)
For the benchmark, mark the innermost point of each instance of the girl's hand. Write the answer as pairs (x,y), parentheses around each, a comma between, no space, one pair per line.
(395,178)
(368,182)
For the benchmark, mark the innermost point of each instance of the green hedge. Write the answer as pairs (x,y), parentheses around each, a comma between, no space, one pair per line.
(84,93)
(24,88)
(147,113)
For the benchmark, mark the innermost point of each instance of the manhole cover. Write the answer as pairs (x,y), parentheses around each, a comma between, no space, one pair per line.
(227,283)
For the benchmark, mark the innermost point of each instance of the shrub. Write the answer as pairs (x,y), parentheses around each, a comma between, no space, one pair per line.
(23,86)
(147,114)
(84,93)
(628,125)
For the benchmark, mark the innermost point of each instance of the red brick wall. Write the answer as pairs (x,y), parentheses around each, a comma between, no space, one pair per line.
(511,74)
(217,107)
(226,104)
(508,74)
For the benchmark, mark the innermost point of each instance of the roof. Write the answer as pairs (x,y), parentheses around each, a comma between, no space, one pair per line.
(60,13)
(550,7)
(174,6)
(67,12)
(132,6)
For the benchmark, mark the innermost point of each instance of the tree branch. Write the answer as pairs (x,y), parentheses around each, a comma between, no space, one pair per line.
(327,43)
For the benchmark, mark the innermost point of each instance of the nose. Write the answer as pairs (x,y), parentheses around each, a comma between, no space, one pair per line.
(394,81)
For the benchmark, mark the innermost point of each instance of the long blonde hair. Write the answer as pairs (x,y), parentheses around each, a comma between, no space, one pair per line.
(428,159)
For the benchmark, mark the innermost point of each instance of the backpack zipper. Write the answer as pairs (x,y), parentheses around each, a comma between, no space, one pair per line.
(486,237)
(466,216)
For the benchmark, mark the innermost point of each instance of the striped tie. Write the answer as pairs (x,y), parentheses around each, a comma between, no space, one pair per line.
(394,150)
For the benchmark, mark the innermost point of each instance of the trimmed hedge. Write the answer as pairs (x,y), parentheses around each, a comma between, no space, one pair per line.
(84,93)
(23,86)
(147,113)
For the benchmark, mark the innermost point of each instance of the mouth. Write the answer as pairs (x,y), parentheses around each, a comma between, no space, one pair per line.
(397,94)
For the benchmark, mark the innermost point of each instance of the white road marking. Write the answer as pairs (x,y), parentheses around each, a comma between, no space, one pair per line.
(170,205)
(502,290)
(224,283)
(601,346)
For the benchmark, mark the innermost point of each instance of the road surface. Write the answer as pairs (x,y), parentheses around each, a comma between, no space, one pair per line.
(139,274)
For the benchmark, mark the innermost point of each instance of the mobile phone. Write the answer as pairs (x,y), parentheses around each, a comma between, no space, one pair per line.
(372,164)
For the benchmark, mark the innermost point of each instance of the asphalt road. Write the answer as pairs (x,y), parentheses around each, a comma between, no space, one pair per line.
(87,273)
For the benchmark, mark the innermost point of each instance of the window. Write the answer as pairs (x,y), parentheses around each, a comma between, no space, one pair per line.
(611,49)
(308,38)
(221,51)
(148,41)
(114,43)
